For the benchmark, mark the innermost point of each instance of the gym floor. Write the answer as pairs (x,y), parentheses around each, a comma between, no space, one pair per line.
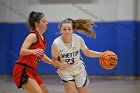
(97,85)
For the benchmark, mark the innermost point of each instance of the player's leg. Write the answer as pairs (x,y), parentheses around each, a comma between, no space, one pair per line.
(44,88)
(40,83)
(67,81)
(83,89)
(70,87)
(82,81)
(32,86)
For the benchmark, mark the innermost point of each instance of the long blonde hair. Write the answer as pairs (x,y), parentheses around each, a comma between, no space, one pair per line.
(84,26)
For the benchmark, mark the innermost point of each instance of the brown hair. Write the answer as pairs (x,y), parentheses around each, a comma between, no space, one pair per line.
(34,17)
(81,25)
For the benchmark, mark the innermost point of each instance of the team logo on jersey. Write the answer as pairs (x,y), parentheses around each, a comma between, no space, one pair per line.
(69,55)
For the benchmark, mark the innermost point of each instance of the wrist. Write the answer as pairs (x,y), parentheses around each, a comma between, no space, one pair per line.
(33,52)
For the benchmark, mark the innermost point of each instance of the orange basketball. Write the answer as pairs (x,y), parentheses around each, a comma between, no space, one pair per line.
(108,60)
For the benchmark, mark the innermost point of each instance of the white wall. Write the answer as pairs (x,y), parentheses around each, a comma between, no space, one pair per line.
(96,10)
(13,10)
(57,12)
(138,9)
(126,9)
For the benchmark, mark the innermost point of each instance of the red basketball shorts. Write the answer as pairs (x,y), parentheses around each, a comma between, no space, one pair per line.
(22,72)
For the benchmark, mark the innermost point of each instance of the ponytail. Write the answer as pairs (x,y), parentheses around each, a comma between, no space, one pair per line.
(84,26)
(34,17)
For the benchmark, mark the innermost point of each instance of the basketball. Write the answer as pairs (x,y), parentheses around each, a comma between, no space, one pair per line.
(108,60)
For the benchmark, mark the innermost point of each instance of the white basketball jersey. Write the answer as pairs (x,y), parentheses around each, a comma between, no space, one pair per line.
(69,55)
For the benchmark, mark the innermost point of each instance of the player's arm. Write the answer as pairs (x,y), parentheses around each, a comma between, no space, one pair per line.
(91,53)
(55,57)
(46,59)
(29,40)
(88,52)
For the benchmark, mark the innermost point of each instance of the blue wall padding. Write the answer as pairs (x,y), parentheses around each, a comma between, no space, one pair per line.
(122,37)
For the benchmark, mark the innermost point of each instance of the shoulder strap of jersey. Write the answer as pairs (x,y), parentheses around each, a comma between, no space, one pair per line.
(37,34)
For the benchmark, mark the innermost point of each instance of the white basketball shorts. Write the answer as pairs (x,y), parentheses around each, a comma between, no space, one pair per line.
(78,75)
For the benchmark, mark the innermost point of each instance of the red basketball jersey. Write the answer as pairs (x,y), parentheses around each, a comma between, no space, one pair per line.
(33,60)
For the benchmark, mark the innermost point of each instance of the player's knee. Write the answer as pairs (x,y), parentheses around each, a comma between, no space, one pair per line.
(71,91)
(74,91)
(45,92)
(38,91)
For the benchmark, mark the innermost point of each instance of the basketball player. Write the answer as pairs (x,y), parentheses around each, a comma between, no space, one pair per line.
(66,50)
(32,51)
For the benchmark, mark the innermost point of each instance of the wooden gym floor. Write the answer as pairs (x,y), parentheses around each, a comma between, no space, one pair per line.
(97,85)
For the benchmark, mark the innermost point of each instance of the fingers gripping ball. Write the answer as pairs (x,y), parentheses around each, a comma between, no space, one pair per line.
(108,60)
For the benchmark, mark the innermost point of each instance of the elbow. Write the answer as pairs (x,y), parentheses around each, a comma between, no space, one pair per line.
(21,52)
(86,54)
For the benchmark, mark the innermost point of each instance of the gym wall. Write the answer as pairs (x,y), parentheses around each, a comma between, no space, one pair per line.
(117,28)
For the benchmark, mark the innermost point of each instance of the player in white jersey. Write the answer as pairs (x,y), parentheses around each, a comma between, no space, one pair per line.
(66,53)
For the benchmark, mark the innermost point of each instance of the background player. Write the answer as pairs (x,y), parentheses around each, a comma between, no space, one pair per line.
(32,51)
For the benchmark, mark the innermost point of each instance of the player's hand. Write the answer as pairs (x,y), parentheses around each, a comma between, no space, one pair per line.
(38,52)
(64,66)
(60,65)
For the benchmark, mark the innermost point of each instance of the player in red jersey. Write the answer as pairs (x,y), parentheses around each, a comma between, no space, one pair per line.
(32,51)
